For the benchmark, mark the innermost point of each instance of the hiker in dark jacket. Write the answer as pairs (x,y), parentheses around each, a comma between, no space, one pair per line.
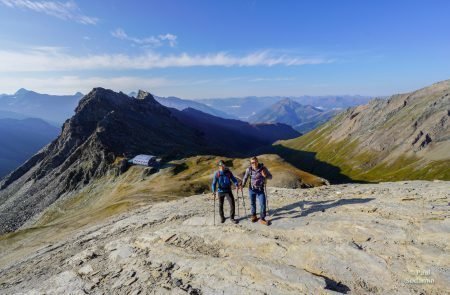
(258,175)
(222,179)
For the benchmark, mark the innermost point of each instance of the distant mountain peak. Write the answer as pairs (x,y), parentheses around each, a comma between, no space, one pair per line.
(78,94)
(22,91)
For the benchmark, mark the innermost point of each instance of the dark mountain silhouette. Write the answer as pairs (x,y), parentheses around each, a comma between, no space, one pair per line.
(20,139)
(235,135)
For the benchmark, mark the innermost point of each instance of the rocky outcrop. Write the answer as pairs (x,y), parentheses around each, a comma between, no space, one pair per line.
(389,238)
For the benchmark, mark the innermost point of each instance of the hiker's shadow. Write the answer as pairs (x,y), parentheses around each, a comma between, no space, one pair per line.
(297,209)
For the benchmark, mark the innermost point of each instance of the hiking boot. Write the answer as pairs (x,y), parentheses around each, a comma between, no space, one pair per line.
(254,218)
(234,221)
(263,221)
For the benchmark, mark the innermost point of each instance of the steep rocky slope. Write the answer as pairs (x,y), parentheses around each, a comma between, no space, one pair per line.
(389,238)
(404,137)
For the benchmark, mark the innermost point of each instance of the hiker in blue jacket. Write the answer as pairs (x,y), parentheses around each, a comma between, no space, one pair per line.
(223,179)
(258,175)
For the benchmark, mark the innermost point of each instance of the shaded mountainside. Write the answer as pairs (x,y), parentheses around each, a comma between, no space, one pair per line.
(234,134)
(387,238)
(20,139)
(404,137)
(302,117)
(51,108)
(108,126)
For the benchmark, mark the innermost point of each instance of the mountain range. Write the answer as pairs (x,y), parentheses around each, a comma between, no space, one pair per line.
(406,136)
(245,107)
(302,117)
(108,126)
(54,109)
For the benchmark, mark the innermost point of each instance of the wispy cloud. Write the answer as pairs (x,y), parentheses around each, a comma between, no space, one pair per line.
(56,59)
(151,41)
(172,39)
(64,10)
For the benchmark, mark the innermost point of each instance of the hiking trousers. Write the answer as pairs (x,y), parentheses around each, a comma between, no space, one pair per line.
(230,198)
(258,193)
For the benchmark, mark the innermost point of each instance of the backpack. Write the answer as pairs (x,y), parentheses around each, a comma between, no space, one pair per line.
(260,181)
(224,179)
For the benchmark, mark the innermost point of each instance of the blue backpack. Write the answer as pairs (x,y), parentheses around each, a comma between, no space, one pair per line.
(224,179)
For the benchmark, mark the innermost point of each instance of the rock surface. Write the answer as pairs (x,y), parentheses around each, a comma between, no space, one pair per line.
(389,238)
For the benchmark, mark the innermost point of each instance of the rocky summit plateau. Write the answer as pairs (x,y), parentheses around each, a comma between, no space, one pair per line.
(387,238)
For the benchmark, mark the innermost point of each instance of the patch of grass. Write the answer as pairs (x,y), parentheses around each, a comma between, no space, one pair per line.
(365,165)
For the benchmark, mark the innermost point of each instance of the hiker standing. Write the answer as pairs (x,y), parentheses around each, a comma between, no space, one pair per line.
(258,174)
(223,179)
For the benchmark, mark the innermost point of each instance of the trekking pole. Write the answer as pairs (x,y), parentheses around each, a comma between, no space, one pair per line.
(243,202)
(267,200)
(237,193)
(214,209)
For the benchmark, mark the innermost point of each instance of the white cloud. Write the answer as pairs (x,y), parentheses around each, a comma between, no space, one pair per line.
(172,39)
(63,10)
(151,41)
(72,84)
(56,59)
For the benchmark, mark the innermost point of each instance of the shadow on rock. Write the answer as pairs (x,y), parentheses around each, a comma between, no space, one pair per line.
(297,210)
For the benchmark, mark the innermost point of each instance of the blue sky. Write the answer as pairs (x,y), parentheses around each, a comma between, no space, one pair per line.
(199,49)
